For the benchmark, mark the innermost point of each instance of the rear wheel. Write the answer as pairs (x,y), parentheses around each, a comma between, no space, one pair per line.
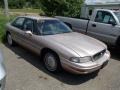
(10,40)
(52,62)
(118,43)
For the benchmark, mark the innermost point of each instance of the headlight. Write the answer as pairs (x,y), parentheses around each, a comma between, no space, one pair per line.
(80,60)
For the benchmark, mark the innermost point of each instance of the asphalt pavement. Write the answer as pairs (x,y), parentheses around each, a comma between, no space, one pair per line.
(25,71)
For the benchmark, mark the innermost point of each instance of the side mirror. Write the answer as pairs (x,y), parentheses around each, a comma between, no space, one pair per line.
(113,23)
(28,33)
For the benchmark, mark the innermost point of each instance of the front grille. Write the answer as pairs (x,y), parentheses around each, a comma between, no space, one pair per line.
(99,55)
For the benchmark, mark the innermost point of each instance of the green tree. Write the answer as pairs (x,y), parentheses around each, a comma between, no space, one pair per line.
(1,3)
(74,7)
(16,3)
(62,7)
(34,4)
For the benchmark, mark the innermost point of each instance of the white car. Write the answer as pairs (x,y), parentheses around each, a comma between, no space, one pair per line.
(2,73)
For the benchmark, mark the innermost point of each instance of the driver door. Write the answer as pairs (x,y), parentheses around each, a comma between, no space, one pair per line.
(30,37)
(102,29)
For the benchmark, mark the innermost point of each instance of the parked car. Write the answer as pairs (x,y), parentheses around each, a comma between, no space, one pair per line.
(2,73)
(103,25)
(57,44)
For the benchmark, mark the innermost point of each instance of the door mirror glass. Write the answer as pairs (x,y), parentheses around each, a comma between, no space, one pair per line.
(112,22)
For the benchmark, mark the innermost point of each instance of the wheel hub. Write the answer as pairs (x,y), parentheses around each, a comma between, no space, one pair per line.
(50,62)
(9,39)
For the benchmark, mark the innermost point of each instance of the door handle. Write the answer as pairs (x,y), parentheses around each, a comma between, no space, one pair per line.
(93,25)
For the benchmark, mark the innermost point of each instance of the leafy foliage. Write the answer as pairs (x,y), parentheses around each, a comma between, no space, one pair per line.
(3,21)
(62,7)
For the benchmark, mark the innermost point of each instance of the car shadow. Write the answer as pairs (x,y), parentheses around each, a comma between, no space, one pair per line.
(64,77)
(115,53)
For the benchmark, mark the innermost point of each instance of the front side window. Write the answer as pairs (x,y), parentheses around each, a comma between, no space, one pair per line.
(104,17)
(52,27)
(28,25)
(18,22)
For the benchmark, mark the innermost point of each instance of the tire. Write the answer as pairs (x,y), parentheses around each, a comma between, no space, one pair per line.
(10,40)
(52,62)
(118,43)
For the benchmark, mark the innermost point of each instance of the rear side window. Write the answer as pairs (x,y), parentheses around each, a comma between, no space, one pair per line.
(19,22)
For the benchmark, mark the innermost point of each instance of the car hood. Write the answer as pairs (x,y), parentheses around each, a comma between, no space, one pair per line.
(81,44)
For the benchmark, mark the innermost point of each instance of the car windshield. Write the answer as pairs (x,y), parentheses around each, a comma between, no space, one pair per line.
(118,15)
(52,27)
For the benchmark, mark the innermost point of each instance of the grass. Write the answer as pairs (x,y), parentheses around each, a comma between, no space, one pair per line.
(28,10)
(24,10)
(3,21)
(1,10)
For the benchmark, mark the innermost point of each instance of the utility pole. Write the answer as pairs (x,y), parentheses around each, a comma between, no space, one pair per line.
(6,11)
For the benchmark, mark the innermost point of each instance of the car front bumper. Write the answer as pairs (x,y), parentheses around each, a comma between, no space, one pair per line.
(85,68)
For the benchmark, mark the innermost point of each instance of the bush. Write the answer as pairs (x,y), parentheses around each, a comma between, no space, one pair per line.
(69,8)
(3,21)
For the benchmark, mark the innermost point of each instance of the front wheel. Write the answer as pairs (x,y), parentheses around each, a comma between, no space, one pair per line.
(52,62)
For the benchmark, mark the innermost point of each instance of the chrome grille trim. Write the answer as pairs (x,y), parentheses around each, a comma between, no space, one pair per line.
(99,55)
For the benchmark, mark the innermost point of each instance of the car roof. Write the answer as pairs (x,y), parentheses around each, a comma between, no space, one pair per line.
(39,17)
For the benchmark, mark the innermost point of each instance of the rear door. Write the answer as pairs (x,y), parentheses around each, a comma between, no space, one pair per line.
(102,29)
(17,31)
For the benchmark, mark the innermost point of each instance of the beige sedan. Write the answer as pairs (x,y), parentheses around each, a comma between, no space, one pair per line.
(58,46)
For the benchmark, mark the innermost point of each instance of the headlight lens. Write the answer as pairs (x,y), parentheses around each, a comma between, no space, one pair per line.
(80,59)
